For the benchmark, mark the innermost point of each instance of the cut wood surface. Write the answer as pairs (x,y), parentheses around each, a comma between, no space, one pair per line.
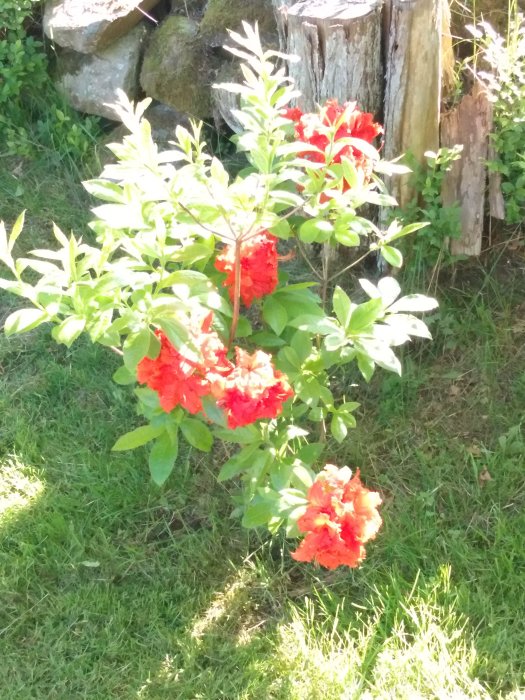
(339,44)
(413,60)
(468,124)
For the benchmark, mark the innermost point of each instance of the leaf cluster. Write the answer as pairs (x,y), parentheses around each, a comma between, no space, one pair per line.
(163,217)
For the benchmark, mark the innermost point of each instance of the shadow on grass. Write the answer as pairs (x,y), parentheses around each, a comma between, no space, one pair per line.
(111,588)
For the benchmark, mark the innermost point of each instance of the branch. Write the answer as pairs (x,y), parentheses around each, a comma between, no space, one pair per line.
(306,259)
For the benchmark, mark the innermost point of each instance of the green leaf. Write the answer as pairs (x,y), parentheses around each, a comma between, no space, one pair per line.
(380,353)
(392,255)
(364,315)
(315,324)
(311,453)
(267,340)
(302,476)
(197,434)
(16,230)
(338,428)
(245,435)
(347,237)
(123,376)
(138,437)
(274,313)
(366,366)
(105,190)
(308,390)
(407,230)
(348,407)
(162,457)
(342,306)
(244,328)
(413,302)
(69,330)
(239,462)
(24,320)
(281,229)
(148,398)
(213,412)
(121,216)
(406,323)
(258,514)
(315,231)
(175,331)
(135,348)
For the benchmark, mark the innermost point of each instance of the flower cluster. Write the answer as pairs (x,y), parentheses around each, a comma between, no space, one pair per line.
(249,390)
(252,390)
(314,129)
(182,379)
(340,518)
(258,267)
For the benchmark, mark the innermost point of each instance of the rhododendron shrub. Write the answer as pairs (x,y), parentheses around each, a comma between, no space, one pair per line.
(189,282)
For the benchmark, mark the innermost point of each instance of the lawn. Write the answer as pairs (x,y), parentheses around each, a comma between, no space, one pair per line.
(113,588)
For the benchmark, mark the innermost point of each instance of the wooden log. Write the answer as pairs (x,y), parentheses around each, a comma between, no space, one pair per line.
(413,58)
(339,44)
(496,201)
(280,8)
(468,124)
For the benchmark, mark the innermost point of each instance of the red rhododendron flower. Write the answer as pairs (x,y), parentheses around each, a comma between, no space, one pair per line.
(254,389)
(340,518)
(182,380)
(350,122)
(258,267)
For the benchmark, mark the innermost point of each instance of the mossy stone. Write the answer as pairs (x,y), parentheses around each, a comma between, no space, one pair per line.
(175,70)
(221,15)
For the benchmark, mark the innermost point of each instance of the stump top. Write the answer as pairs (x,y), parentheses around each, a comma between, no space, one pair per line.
(332,9)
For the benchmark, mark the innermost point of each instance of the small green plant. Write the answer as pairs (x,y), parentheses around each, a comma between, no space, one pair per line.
(22,58)
(159,291)
(506,81)
(33,116)
(429,247)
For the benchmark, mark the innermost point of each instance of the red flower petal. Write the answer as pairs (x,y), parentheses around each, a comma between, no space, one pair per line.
(340,518)
(258,267)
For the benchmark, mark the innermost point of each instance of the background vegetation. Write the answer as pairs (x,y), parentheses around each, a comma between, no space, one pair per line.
(111,587)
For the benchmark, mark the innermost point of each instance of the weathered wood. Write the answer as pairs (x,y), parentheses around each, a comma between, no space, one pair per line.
(448,60)
(468,124)
(496,201)
(280,8)
(413,59)
(339,44)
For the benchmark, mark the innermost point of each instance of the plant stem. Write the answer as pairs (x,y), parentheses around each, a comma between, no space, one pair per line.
(326,266)
(349,267)
(236,290)
(306,259)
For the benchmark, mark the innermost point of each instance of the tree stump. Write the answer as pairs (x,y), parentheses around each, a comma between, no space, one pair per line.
(414,67)
(468,124)
(339,44)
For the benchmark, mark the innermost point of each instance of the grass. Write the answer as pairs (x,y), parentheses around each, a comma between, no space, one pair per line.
(113,588)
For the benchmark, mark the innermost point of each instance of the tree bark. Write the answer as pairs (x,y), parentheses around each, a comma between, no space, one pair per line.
(414,67)
(468,124)
(339,44)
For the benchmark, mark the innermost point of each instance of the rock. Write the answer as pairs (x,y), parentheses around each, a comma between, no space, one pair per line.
(88,26)
(90,83)
(223,100)
(221,15)
(176,70)
(190,8)
(163,121)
